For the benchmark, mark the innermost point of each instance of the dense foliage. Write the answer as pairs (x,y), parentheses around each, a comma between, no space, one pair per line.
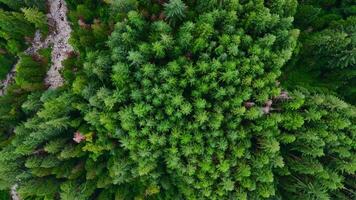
(16,32)
(176,99)
(327,56)
(18,21)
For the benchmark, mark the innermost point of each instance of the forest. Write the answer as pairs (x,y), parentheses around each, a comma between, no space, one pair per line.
(177,99)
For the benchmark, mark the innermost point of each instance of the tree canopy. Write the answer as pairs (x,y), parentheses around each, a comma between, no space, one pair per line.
(178,99)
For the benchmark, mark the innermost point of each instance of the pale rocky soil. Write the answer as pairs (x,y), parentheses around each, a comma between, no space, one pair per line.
(59,38)
(8,80)
(14,194)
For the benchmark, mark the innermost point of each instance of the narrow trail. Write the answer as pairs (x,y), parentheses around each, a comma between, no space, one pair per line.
(7,81)
(57,39)
(14,194)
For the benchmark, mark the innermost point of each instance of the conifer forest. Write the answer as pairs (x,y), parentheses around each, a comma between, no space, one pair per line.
(177,99)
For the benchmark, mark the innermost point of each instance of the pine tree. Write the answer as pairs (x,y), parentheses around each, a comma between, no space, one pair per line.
(13,25)
(34,16)
(326,60)
(318,154)
(13,4)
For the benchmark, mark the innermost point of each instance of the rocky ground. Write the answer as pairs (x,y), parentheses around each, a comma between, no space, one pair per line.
(59,39)
(9,78)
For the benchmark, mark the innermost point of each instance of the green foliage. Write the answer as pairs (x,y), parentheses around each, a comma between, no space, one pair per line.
(13,25)
(156,120)
(29,73)
(4,195)
(320,161)
(36,17)
(29,78)
(95,33)
(6,63)
(327,55)
(13,29)
(175,10)
(37,4)
(13,4)
(16,5)
(179,99)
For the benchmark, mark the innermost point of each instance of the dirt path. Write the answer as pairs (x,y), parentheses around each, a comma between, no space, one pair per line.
(8,80)
(14,194)
(59,39)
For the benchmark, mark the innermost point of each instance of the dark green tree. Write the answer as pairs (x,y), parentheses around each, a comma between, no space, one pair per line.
(327,56)
(318,148)
(36,17)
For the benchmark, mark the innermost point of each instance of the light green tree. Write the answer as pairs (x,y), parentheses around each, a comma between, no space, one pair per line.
(36,17)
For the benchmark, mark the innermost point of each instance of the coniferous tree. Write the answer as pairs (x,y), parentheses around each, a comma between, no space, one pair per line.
(326,59)
(317,145)
(14,25)
(37,18)
(180,119)
(13,29)
(13,4)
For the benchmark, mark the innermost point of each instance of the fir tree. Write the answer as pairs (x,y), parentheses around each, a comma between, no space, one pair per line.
(13,25)
(34,16)
(326,60)
(175,10)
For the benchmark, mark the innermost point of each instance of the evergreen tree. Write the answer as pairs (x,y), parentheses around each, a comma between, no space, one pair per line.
(177,127)
(326,60)
(34,16)
(14,25)
(318,149)
(13,29)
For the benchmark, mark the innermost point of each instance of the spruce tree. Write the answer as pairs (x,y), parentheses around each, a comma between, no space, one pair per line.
(326,59)
(36,17)
(318,148)
(13,29)
(13,4)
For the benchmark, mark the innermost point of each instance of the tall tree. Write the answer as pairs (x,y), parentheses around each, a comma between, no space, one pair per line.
(327,55)
(36,17)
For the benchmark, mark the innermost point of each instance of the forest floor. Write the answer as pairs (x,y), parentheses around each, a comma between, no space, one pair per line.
(57,39)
